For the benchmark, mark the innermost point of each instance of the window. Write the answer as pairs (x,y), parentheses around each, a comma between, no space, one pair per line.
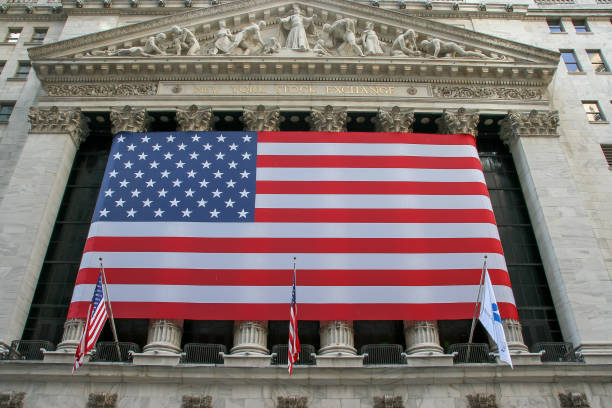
(569,57)
(22,70)
(599,64)
(6,108)
(593,111)
(555,25)
(2,64)
(13,35)
(39,34)
(607,151)
(580,25)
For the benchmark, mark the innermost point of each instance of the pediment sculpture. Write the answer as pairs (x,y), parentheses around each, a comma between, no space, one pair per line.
(298,33)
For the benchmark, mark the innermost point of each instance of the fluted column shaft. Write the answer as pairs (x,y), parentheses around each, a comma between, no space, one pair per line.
(337,336)
(73,331)
(164,336)
(250,337)
(514,336)
(422,337)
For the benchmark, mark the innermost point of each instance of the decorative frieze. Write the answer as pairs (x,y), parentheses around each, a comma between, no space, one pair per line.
(480,92)
(482,401)
(250,337)
(12,400)
(573,400)
(112,89)
(129,119)
(196,118)
(458,121)
(164,336)
(102,400)
(292,402)
(388,401)
(73,330)
(59,120)
(395,120)
(327,119)
(337,337)
(198,401)
(261,118)
(534,123)
(422,337)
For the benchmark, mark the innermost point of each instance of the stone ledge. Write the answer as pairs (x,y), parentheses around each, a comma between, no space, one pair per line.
(429,360)
(339,360)
(247,360)
(62,357)
(156,359)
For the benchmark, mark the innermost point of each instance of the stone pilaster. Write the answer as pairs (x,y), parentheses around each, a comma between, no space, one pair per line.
(327,119)
(73,330)
(261,119)
(194,117)
(337,337)
(164,336)
(129,119)
(529,124)
(395,120)
(250,337)
(422,337)
(51,120)
(458,121)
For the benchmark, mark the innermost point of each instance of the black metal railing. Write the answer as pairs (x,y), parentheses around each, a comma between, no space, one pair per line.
(27,350)
(470,353)
(107,351)
(201,353)
(280,354)
(379,354)
(557,352)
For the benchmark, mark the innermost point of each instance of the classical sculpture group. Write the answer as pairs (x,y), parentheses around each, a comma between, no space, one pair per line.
(299,33)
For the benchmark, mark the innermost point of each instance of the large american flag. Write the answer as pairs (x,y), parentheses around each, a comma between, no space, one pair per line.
(94,323)
(204,226)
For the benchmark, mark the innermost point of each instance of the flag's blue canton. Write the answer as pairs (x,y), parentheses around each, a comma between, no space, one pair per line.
(180,176)
(97,296)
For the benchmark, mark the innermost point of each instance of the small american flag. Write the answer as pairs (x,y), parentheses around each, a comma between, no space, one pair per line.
(294,341)
(96,317)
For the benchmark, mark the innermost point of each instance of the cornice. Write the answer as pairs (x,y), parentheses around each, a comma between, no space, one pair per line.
(19,17)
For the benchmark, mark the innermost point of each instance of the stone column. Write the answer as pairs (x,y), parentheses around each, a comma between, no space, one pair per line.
(337,337)
(30,205)
(250,337)
(164,336)
(395,119)
(129,119)
(327,119)
(514,336)
(458,121)
(422,337)
(73,330)
(196,118)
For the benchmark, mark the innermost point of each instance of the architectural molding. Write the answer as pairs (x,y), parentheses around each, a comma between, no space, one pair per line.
(487,92)
(59,120)
(194,117)
(458,121)
(198,401)
(395,119)
(529,124)
(573,400)
(102,89)
(482,401)
(73,330)
(327,119)
(12,399)
(388,401)
(250,337)
(102,400)
(129,119)
(260,118)
(422,337)
(164,336)
(292,402)
(337,338)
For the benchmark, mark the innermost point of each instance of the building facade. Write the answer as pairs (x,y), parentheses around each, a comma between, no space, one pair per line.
(529,80)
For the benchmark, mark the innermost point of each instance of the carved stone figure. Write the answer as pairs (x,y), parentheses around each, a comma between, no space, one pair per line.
(325,43)
(249,40)
(327,120)
(394,120)
(183,38)
(261,119)
(370,41)
(295,26)
(151,47)
(343,32)
(223,42)
(405,44)
(438,48)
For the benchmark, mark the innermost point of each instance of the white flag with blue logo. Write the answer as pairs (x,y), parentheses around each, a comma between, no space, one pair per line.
(490,318)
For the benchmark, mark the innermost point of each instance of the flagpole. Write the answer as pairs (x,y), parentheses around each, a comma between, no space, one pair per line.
(110,310)
(480,283)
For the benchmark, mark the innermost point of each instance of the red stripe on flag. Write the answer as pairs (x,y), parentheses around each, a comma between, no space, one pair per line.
(229,311)
(373,215)
(294,245)
(371,187)
(369,162)
(308,277)
(364,137)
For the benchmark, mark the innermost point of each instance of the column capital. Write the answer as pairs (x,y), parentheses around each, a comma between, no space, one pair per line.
(458,121)
(395,119)
(59,120)
(327,119)
(261,118)
(532,123)
(194,117)
(128,119)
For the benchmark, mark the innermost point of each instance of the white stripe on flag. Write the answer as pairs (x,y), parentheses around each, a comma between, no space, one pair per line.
(365,149)
(369,174)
